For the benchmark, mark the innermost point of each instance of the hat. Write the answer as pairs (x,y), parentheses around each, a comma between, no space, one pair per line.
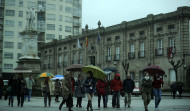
(67,73)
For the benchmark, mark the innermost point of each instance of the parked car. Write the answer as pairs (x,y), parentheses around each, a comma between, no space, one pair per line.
(136,91)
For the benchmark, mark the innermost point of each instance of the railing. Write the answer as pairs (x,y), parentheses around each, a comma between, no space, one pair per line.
(76,14)
(159,52)
(76,24)
(116,57)
(141,54)
(108,58)
(131,55)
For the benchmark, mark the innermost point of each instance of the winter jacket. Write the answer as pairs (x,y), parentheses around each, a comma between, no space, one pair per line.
(116,84)
(1,83)
(146,85)
(29,83)
(156,84)
(13,84)
(57,88)
(79,88)
(174,87)
(92,87)
(50,84)
(101,87)
(67,88)
(128,85)
(107,88)
(21,85)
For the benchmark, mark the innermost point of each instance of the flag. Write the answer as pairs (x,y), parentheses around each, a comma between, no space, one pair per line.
(86,41)
(78,43)
(98,40)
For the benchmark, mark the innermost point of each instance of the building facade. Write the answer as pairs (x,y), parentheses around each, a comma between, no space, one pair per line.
(54,19)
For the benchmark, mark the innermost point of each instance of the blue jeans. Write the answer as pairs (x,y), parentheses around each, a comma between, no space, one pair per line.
(116,99)
(11,97)
(106,99)
(157,94)
(29,94)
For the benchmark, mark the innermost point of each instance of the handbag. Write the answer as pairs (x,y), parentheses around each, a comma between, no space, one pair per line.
(9,88)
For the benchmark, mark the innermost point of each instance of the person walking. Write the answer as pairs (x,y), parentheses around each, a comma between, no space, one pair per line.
(1,86)
(57,90)
(73,85)
(79,91)
(66,91)
(128,86)
(174,89)
(21,85)
(90,89)
(116,85)
(146,90)
(11,89)
(47,90)
(29,84)
(101,86)
(156,84)
(107,89)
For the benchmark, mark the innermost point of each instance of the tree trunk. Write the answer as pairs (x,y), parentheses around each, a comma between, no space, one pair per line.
(176,75)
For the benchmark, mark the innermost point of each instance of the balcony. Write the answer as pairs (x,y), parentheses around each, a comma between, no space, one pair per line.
(49,66)
(141,54)
(59,64)
(131,55)
(108,58)
(1,26)
(64,63)
(80,61)
(116,57)
(76,14)
(76,24)
(159,52)
(41,26)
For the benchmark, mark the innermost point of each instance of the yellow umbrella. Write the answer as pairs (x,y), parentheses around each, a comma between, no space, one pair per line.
(97,72)
(45,74)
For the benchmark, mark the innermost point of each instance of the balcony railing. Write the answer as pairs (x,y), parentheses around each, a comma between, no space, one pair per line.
(80,61)
(59,64)
(108,58)
(76,24)
(76,14)
(141,54)
(131,55)
(64,63)
(116,57)
(159,52)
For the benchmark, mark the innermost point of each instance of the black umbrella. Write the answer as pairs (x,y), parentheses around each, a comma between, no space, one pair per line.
(113,69)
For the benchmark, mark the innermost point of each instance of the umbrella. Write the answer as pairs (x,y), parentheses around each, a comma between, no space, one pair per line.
(60,77)
(113,69)
(153,69)
(97,72)
(45,74)
(75,67)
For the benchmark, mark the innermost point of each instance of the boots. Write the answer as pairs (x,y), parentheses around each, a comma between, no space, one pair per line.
(80,102)
(9,101)
(88,105)
(12,103)
(49,103)
(60,106)
(18,103)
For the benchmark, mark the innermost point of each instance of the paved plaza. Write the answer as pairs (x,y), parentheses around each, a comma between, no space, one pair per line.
(36,104)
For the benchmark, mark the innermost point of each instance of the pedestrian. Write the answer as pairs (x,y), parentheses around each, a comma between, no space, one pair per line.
(174,89)
(90,88)
(79,91)
(73,87)
(66,91)
(1,86)
(128,86)
(11,89)
(57,90)
(116,85)
(156,84)
(101,86)
(29,84)
(107,89)
(47,90)
(146,90)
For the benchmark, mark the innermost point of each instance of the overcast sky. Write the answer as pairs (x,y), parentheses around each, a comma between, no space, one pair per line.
(111,12)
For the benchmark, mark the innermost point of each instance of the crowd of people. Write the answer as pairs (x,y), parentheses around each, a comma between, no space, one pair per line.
(81,88)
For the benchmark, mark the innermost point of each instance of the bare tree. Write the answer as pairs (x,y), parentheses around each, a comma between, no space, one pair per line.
(126,67)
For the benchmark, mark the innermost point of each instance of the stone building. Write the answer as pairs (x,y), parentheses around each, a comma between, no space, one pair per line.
(140,43)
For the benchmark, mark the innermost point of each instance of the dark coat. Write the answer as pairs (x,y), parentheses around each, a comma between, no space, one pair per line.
(79,88)
(90,88)
(107,88)
(21,85)
(57,87)
(101,87)
(13,84)
(174,87)
(128,85)
(116,84)
(146,85)
(67,88)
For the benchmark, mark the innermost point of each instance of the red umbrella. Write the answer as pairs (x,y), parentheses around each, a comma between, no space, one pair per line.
(75,67)
(153,70)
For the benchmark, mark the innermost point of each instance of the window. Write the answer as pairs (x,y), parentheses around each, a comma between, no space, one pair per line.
(8,55)
(8,66)
(80,57)
(132,34)
(20,24)
(65,48)
(74,46)
(109,54)
(50,16)
(159,29)
(132,47)
(50,36)
(50,26)
(9,2)
(10,13)
(51,7)
(141,52)
(68,19)
(67,29)
(60,17)
(141,46)
(117,37)
(9,45)
(68,9)
(19,35)
(117,52)
(132,74)
(159,47)
(9,23)
(20,13)
(21,3)
(76,30)
(141,32)
(108,39)
(32,4)
(19,55)
(65,60)
(171,42)
(74,58)
(68,1)
(60,27)
(60,37)
(170,27)
(19,45)
(9,33)
(60,8)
